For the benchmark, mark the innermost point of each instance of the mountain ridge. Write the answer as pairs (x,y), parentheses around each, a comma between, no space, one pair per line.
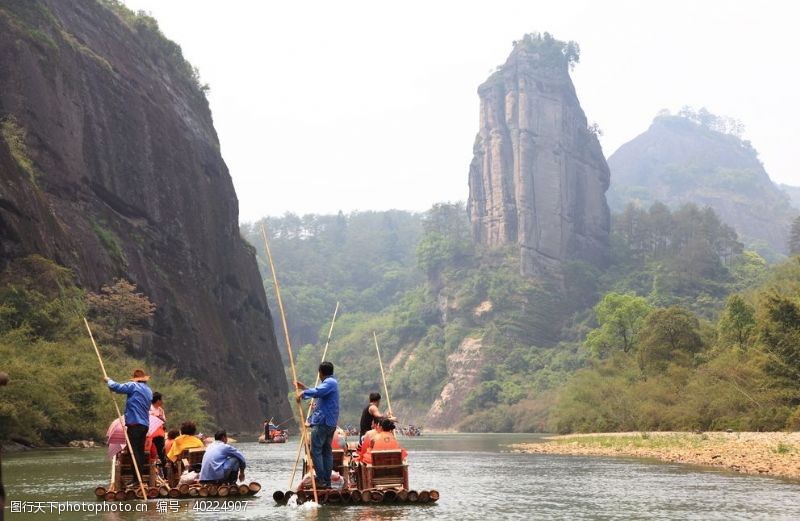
(690,157)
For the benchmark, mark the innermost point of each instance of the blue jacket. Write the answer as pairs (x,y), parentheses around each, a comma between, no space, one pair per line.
(215,461)
(137,406)
(326,410)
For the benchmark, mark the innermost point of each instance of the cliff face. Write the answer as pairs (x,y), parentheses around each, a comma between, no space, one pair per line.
(538,177)
(463,370)
(110,165)
(690,158)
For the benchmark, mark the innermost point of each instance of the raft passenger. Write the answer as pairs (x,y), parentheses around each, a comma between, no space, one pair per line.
(171,435)
(187,440)
(222,462)
(384,440)
(158,436)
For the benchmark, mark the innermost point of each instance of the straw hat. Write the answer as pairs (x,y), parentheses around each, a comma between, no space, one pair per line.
(140,376)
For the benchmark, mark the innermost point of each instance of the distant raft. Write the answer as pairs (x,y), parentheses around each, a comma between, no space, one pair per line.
(277,436)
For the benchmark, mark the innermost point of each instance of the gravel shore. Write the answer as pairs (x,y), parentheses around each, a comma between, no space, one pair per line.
(766,453)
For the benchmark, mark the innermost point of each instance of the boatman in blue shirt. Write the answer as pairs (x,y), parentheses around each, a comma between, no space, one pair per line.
(221,462)
(323,421)
(137,414)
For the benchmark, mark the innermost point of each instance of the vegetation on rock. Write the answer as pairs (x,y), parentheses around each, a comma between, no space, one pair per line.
(56,392)
(14,136)
(551,51)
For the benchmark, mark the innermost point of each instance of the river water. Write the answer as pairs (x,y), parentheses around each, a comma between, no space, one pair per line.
(475,475)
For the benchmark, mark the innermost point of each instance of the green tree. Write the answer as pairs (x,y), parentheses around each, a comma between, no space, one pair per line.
(748,270)
(120,311)
(794,237)
(779,330)
(668,335)
(738,322)
(620,318)
(483,396)
(446,240)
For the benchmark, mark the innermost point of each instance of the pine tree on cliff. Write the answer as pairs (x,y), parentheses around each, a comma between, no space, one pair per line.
(794,237)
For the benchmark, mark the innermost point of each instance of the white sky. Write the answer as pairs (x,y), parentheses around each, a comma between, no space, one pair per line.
(327,106)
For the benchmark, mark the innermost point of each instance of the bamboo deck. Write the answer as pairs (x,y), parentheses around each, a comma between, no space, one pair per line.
(354,496)
(184,491)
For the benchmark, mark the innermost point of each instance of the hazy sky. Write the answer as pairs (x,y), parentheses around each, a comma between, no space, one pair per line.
(327,106)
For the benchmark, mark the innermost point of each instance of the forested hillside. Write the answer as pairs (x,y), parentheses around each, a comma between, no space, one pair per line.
(458,325)
(698,157)
(666,368)
(364,260)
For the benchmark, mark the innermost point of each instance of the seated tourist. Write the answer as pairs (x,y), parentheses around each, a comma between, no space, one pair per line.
(338,442)
(364,442)
(221,462)
(383,440)
(171,435)
(187,440)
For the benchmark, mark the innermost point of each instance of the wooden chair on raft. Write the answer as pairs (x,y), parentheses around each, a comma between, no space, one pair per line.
(124,472)
(339,466)
(387,470)
(187,459)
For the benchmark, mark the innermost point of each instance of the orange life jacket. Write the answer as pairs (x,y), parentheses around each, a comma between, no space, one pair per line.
(383,441)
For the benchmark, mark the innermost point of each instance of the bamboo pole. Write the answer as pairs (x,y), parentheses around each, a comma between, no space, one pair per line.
(113,483)
(291,361)
(119,414)
(383,375)
(316,382)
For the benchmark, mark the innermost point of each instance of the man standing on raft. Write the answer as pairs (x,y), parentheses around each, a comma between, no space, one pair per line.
(323,421)
(137,414)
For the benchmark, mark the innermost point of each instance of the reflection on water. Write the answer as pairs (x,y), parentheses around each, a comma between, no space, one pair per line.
(476,479)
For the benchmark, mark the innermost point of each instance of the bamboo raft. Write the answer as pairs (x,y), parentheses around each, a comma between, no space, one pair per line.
(355,496)
(155,487)
(184,491)
(385,480)
(280,437)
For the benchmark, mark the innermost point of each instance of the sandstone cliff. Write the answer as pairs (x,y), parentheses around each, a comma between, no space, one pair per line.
(538,177)
(463,370)
(110,165)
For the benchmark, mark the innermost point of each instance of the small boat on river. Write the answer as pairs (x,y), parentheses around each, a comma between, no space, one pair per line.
(273,433)
(282,437)
(275,436)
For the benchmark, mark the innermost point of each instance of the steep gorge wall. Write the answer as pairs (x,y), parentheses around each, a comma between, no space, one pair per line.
(127,180)
(538,177)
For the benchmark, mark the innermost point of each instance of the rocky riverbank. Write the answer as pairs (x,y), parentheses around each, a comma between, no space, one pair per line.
(766,453)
